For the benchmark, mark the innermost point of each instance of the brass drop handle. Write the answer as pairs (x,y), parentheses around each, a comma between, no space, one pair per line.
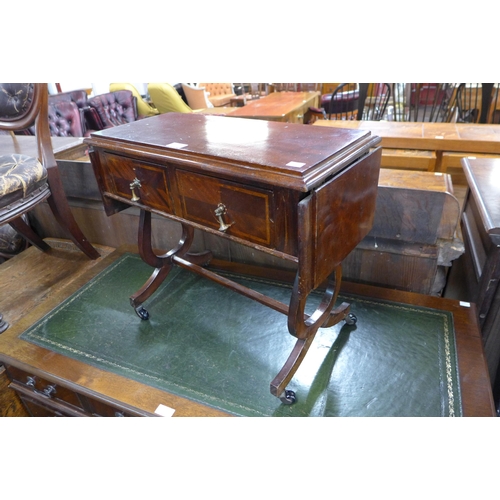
(136,183)
(219,212)
(49,390)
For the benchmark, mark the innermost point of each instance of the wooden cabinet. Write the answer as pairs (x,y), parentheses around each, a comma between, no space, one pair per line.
(481,232)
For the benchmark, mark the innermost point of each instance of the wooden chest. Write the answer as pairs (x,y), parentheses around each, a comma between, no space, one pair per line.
(414,238)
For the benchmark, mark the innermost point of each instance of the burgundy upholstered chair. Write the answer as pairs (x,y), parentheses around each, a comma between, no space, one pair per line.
(80,98)
(65,119)
(66,114)
(112,109)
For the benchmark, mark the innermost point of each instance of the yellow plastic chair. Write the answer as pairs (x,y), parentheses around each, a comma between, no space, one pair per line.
(143,108)
(166,99)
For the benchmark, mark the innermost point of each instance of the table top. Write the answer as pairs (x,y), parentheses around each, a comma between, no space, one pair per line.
(275,105)
(284,154)
(483,178)
(461,137)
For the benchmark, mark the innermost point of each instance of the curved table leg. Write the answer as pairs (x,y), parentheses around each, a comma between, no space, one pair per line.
(304,327)
(163,264)
(301,325)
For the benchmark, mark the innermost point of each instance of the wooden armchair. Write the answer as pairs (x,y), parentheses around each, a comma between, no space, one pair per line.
(26,181)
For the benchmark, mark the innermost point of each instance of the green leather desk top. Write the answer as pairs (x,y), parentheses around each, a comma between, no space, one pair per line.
(214,346)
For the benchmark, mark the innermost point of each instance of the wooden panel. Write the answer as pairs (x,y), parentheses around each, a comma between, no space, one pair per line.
(344,213)
(412,159)
(393,264)
(10,403)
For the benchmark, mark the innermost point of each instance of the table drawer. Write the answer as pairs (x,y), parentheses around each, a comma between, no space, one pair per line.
(151,182)
(246,212)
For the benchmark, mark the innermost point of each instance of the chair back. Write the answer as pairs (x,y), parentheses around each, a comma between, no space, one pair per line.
(112,109)
(424,102)
(80,99)
(373,101)
(197,97)
(166,99)
(343,103)
(65,119)
(494,107)
(143,108)
(478,103)
(21,105)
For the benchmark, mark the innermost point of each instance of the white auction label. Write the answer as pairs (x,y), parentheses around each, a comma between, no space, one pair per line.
(164,411)
(296,164)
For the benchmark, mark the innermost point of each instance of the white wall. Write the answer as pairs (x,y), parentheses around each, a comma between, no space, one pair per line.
(97,88)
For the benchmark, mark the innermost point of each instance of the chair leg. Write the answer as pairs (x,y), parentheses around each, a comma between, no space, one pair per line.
(27,232)
(60,208)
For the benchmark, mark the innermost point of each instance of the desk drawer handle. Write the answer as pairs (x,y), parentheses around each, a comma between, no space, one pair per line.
(49,390)
(136,183)
(219,212)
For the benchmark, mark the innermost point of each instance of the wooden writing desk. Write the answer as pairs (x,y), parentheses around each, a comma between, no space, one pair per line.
(78,388)
(458,139)
(308,201)
(289,107)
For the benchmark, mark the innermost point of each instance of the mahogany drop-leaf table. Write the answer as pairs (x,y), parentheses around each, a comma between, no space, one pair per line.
(300,193)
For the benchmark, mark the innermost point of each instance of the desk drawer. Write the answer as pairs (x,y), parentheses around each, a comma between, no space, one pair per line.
(43,398)
(152,188)
(248,211)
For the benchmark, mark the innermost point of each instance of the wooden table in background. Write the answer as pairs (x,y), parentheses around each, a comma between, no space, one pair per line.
(290,107)
(449,142)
